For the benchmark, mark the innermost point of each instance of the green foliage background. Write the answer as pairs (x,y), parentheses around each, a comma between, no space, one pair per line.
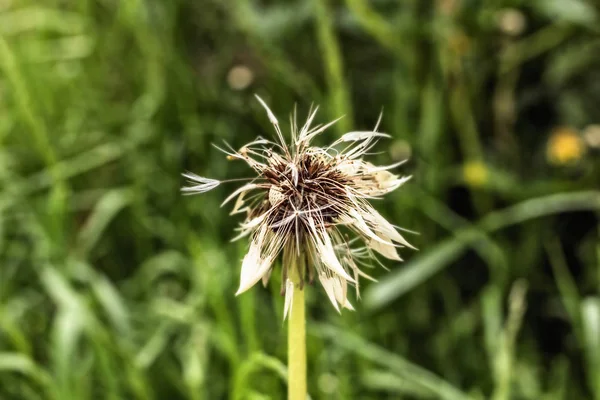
(114,286)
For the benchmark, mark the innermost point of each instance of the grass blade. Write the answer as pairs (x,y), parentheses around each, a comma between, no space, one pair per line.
(403,368)
(434,260)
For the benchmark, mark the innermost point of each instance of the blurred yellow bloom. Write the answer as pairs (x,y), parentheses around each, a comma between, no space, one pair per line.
(565,146)
(475,173)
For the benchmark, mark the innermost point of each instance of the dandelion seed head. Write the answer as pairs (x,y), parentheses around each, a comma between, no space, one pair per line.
(310,205)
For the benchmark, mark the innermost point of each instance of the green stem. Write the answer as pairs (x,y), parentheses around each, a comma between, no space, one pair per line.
(297,342)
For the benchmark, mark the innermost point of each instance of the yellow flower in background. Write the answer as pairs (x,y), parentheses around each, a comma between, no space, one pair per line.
(565,146)
(475,173)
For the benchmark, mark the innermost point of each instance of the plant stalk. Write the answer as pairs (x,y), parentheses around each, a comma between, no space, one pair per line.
(297,341)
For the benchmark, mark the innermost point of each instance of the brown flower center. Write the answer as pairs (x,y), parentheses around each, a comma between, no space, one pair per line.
(313,185)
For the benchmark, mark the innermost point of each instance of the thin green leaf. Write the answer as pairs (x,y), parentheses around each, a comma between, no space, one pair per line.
(590,311)
(444,253)
(105,211)
(396,364)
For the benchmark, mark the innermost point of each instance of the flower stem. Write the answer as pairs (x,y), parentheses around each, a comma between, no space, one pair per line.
(297,342)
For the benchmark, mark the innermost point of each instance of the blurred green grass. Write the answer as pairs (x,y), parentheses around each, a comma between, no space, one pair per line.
(113,286)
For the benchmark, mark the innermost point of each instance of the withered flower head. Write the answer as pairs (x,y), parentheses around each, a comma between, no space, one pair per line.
(311,204)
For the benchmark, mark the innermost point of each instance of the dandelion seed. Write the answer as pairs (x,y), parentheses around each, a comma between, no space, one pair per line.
(203,184)
(311,203)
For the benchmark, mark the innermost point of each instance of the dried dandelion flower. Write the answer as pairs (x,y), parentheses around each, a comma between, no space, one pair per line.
(311,204)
